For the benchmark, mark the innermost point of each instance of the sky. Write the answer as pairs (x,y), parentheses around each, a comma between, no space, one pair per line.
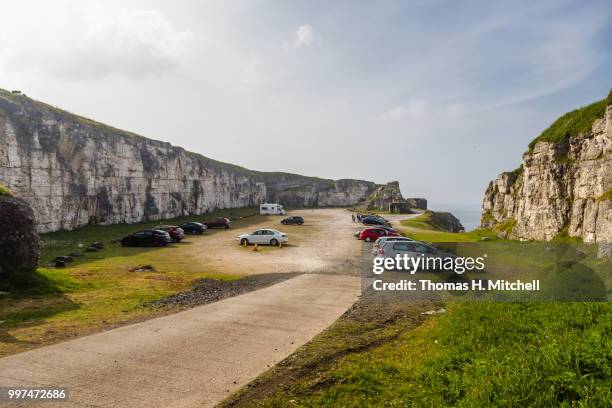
(440,95)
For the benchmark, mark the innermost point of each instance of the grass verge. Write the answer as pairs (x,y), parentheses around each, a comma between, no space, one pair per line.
(100,290)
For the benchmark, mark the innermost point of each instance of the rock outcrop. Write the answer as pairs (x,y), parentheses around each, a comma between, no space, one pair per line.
(382,197)
(19,244)
(74,171)
(564,184)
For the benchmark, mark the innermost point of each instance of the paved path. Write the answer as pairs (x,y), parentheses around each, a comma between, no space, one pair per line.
(192,358)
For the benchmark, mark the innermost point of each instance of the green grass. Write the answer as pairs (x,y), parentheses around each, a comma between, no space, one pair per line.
(573,123)
(5,191)
(476,355)
(98,290)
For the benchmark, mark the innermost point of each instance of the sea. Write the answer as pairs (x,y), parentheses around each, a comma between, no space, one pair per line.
(468,215)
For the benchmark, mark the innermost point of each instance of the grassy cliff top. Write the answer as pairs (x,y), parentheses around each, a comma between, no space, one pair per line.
(573,123)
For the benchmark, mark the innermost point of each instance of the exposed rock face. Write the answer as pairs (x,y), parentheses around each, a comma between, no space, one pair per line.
(19,245)
(447,221)
(74,172)
(314,192)
(560,188)
(419,203)
(383,196)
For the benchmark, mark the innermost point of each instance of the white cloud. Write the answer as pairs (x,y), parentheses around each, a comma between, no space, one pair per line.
(414,109)
(125,43)
(304,37)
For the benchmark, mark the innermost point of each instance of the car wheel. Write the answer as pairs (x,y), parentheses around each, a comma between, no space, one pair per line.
(244,241)
(200,232)
(226,226)
(368,239)
(300,223)
(273,242)
(284,222)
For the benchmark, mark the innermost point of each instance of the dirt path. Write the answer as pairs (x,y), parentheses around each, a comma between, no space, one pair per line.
(193,358)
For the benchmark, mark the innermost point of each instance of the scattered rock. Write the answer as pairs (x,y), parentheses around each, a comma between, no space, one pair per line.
(434,312)
(485,239)
(63,258)
(211,290)
(60,264)
(98,245)
(144,268)
(92,249)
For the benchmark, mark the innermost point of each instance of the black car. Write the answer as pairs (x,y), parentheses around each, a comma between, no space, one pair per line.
(293,220)
(193,228)
(373,221)
(147,238)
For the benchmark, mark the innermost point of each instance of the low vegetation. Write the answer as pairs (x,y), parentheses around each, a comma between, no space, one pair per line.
(99,290)
(475,355)
(607,196)
(573,123)
(5,191)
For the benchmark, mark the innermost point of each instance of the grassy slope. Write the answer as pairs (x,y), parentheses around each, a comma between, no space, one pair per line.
(426,228)
(475,355)
(98,290)
(573,123)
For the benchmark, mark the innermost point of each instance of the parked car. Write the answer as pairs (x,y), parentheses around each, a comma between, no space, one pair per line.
(371,220)
(176,232)
(373,233)
(412,249)
(263,236)
(388,228)
(293,220)
(387,238)
(147,238)
(194,228)
(217,223)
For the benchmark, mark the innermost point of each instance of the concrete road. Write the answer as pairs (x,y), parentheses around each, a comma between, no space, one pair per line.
(192,358)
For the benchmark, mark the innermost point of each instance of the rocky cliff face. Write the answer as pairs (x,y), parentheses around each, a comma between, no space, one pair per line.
(74,172)
(19,244)
(562,187)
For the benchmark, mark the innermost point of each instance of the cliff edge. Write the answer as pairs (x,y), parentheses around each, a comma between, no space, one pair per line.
(564,184)
(74,171)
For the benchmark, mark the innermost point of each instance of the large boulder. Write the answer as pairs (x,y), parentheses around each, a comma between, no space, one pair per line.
(19,243)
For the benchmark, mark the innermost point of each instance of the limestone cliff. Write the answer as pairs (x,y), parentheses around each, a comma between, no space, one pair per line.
(564,184)
(74,171)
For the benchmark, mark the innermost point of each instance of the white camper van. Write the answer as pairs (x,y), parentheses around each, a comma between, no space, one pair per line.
(271,209)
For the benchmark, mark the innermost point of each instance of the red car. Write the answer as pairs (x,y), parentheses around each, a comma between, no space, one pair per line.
(175,232)
(217,223)
(373,233)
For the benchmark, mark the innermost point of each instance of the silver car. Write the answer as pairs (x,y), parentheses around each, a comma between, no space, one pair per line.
(382,240)
(411,249)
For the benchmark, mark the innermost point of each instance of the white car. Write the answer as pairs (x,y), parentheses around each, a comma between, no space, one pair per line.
(263,236)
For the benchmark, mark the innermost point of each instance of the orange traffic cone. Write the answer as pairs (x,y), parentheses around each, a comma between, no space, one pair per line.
(255,248)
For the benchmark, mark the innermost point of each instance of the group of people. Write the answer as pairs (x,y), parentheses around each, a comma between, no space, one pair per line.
(356,218)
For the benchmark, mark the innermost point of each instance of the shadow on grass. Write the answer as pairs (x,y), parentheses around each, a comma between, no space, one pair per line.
(31,298)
